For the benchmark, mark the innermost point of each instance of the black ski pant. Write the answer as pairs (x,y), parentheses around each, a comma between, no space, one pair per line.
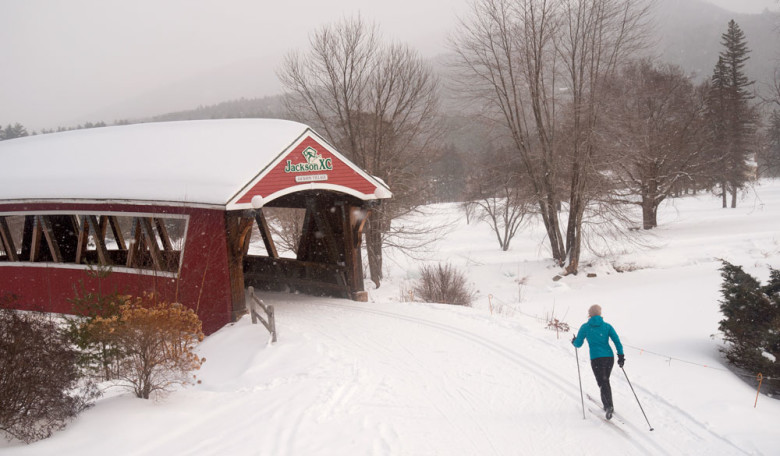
(602,368)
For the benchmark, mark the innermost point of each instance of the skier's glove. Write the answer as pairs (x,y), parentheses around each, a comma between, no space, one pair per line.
(573,338)
(621,360)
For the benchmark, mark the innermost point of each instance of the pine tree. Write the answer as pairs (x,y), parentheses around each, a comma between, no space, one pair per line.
(16,130)
(751,324)
(733,119)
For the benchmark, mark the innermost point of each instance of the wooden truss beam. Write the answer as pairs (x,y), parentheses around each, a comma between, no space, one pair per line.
(100,240)
(151,242)
(238,227)
(43,230)
(7,241)
(83,236)
(136,247)
(118,236)
(163,232)
(265,233)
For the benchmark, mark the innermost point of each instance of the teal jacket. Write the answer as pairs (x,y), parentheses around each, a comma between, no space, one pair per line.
(598,333)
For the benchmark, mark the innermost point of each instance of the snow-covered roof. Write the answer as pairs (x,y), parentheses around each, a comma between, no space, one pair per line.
(198,162)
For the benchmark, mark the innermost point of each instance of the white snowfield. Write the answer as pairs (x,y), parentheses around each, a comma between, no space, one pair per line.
(406,378)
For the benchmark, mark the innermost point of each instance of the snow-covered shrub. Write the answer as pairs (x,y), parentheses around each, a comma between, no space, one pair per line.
(41,385)
(751,324)
(154,341)
(443,284)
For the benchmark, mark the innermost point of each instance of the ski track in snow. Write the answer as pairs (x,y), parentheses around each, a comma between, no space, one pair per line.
(392,378)
(635,438)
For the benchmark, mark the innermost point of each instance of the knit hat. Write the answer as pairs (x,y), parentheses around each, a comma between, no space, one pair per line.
(594,310)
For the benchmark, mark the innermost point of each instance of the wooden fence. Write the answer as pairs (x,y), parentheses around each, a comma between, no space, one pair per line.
(267,317)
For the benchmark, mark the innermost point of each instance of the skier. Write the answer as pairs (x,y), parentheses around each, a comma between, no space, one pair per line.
(602,358)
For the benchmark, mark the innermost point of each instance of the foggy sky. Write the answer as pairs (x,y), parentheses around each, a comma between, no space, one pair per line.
(68,62)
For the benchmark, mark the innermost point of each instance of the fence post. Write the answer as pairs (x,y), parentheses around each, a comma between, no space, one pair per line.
(760,379)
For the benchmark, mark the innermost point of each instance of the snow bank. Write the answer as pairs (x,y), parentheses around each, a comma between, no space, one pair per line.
(396,378)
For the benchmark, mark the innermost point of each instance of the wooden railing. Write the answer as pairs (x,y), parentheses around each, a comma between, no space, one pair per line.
(269,320)
(287,274)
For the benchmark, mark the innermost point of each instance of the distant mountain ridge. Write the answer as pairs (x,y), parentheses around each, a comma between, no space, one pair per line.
(263,107)
(687,33)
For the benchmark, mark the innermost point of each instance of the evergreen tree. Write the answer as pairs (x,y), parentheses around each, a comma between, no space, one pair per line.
(751,324)
(771,161)
(16,130)
(733,119)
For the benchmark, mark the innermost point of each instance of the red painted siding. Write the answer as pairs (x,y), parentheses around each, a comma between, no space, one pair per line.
(277,179)
(203,283)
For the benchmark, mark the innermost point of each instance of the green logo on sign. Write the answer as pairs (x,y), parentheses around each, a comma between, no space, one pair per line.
(314,162)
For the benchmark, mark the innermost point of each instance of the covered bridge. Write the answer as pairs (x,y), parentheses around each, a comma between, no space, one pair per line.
(171,207)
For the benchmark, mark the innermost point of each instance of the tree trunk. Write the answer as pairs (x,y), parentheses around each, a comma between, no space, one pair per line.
(574,239)
(577,203)
(650,202)
(373,233)
(649,213)
(733,196)
(552,225)
(724,193)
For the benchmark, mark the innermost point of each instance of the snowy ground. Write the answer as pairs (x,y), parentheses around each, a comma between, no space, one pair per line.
(389,377)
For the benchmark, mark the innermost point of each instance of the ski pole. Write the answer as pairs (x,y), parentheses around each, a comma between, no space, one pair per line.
(579,377)
(637,399)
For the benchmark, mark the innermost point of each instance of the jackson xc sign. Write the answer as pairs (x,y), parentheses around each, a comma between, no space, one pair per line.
(314,162)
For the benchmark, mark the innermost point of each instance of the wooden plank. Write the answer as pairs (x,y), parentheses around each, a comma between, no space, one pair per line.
(295,274)
(151,243)
(235,263)
(245,235)
(258,278)
(352,259)
(27,237)
(7,240)
(81,247)
(265,232)
(35,240)
(100,241)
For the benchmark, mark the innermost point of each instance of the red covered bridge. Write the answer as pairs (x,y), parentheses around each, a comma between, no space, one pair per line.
(172,208)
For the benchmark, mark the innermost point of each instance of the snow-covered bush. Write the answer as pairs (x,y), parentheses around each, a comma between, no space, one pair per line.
(443,284)
(41,385)
(154,342)
(751,324)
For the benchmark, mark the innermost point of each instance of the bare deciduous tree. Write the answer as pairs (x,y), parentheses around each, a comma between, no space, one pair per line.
(655,135)
(286,225)
(498,192)
(506,59)
(540,64)
(376,103)
(597,36)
